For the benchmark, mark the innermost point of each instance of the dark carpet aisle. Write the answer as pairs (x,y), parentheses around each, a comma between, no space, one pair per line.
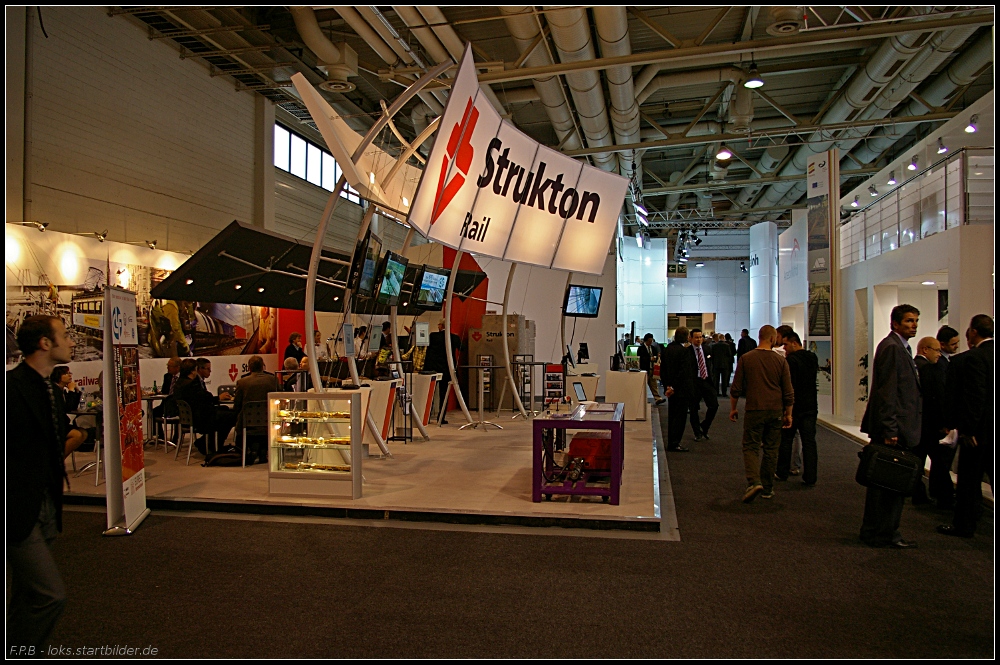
(780,578)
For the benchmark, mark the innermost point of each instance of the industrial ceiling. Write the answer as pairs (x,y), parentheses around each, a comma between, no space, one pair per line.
(650,92)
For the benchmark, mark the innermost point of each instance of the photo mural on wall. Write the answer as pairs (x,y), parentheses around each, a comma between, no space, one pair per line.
(166,327)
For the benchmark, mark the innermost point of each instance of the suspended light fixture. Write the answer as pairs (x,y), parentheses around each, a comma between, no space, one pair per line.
(724,153)
(638,239)
(892,179)
(971,127)
(700,264)
(913,164)
(754,80)
(942,148)
(872,190)
(854,203)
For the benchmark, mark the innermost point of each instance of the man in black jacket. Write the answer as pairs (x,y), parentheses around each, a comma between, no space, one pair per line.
(703,389)
(647,360)
(939,484)
(35,473)
(932,385)
(678,371)
(892,418)
(803,365)
(747,343)
(208,415)
(976,410)
(436,360)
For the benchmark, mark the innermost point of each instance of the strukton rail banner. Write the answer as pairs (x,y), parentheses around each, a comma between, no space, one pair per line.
(490,189)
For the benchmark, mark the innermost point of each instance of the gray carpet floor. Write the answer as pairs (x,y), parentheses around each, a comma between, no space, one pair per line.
(782,578)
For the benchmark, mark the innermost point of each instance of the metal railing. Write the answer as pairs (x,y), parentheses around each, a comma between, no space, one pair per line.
(955,190)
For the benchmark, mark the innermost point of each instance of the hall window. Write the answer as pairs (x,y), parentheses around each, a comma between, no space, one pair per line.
(305,159)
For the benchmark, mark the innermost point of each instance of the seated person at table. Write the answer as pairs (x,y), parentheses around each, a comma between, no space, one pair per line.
(254,388)
(169,381)
(208,415)
(292,378)
(67,397)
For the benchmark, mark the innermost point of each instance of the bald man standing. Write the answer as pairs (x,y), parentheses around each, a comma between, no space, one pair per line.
(932,430)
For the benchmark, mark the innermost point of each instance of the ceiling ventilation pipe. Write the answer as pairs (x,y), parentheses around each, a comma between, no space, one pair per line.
(372,38)
(338,60)
(612,32)
(523,27)
(571,35)
(765,165)
(448,39)
(963,70)
(702,77)
(713,127)
(892,55)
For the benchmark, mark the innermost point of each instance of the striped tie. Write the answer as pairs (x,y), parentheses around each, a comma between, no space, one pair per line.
(702,370)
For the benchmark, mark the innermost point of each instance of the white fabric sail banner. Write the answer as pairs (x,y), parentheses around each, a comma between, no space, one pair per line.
(490,189)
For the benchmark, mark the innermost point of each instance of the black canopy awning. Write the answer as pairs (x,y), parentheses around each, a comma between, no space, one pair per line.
(249,266)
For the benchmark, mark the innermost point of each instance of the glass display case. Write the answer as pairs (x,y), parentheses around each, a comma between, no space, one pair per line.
(315,443)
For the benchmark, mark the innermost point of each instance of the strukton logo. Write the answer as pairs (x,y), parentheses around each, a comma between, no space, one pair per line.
(477,336)
(460,149)
(233,372)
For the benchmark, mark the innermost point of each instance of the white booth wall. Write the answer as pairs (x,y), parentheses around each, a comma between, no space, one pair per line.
(537,293)
(718,287)
(865,297)
(643,292)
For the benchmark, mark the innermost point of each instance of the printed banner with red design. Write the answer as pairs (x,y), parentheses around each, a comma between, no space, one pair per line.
(490,189)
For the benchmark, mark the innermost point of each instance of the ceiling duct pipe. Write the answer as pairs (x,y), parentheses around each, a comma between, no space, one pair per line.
(612,33)
(768,161)
(712,127)
(881,67)
(523,28)
(963,70)
(338,60)
(571,34)
(741,110)
(384,51)
(453,44)
(673,198)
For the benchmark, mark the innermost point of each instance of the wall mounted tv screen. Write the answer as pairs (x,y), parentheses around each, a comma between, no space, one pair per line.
(582,301)
(369,268)
(391,282)
(431,288)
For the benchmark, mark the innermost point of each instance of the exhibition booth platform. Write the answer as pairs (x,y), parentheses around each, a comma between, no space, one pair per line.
(464,477)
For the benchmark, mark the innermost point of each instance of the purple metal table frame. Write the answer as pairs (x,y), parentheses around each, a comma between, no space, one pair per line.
(604,416)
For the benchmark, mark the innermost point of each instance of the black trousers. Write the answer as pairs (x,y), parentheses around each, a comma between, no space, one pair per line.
(703,391)
(883,510)
(973,462)
(940,485)
(727,372)
(677,412)
(805,425)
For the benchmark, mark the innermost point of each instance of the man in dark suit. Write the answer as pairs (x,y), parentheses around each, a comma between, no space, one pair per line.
(437,361)
(703,389)
(208,415)
(169,381)
(722,363)
(648,356)
(253,388)
(940,485)
(932,386)
(803,366)
(893,417)
(747,343)
(677,372)
(36,435)
(975,428)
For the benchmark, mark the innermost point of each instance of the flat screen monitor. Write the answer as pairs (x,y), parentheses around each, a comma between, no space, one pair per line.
(391,279)
(582,301)
(369,272)
(349,340)
(433,282)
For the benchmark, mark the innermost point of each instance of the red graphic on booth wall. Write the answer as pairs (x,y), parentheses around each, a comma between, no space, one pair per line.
(129,409)
(233,372)
(462,154)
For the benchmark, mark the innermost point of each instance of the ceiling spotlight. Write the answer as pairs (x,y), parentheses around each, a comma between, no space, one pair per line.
(942,148)
(151,244)
(743,266)
(189,282)
(260,289)
(682,259)
(697,241)
(912,166)
(101,236)
(754,80)
(641,218)
(640,209)
(638,239)
(41,226)
(892,179)
(854,203)
(724,153)
(700,264)
(971,127)
(239,286)
(872,190)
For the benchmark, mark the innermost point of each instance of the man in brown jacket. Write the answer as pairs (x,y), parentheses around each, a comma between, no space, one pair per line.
(762,377)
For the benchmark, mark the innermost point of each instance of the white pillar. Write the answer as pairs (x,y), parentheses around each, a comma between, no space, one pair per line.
(763,276)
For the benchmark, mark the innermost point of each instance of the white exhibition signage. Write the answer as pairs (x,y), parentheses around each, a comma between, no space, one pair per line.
(793,246)
(124,464)
(490,189)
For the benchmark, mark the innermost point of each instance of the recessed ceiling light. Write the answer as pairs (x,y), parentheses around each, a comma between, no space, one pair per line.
(239,286)
(190,281)
(260,289)
(927,283)
(700,264)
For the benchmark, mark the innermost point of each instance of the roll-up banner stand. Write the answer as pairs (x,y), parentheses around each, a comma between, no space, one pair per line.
(490,189)
(125,474)
(823,182)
